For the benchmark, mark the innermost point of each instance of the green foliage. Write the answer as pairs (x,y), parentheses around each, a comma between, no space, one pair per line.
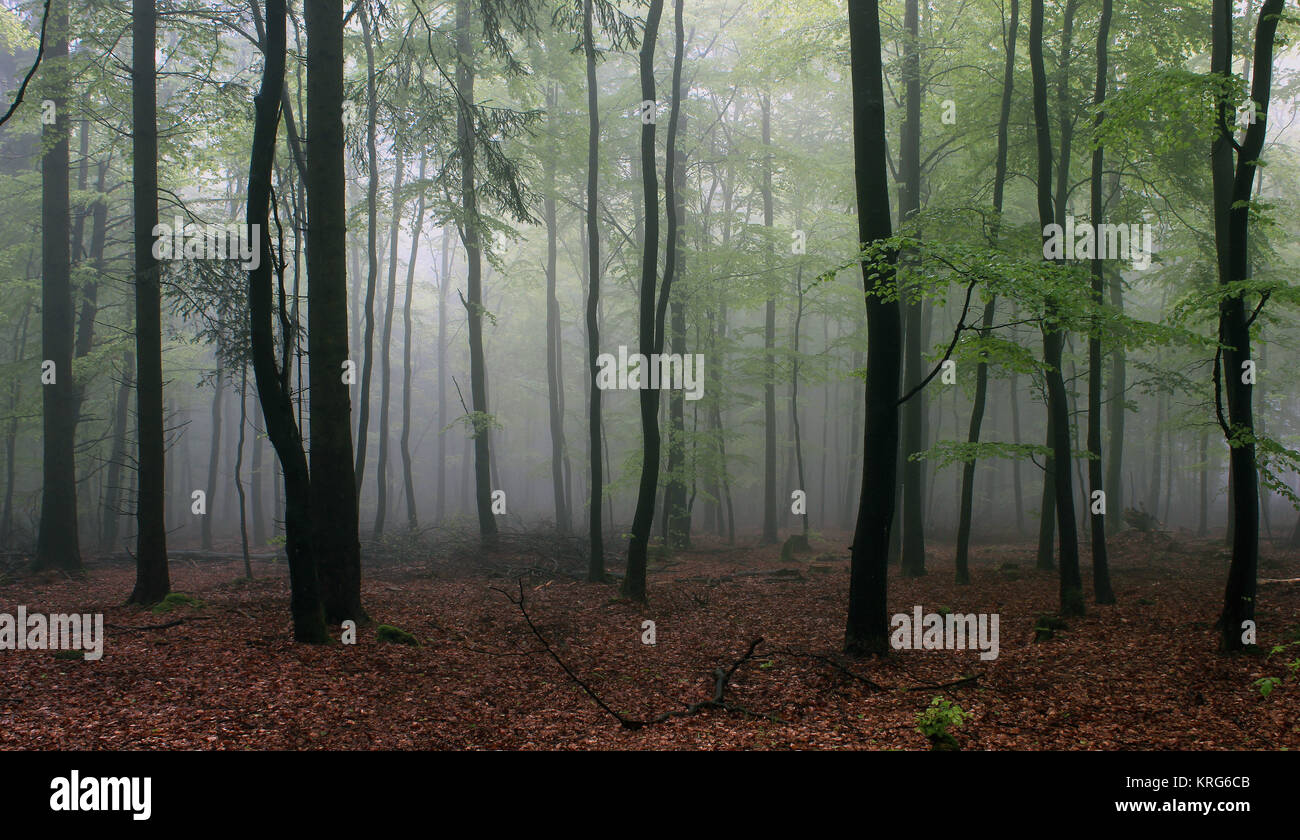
(173,600)
(935,721)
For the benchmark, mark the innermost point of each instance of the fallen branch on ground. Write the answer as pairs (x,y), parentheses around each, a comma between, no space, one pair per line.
(721,678)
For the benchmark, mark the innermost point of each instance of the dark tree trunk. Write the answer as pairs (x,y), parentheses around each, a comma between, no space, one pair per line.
(408,479)
(867,628)
(1233,184)
(554,393)
(239,466)
(769,345)
(1100,565)
(1071,589)
(385,359)
(272,382)
(117,458)
(912,546)
(466,132)
(256,480)
(634,586)
(677,513)
(372,248)
(596,542)
(990,307)
(443,279)
(334,480)
(56,544)
(214,458)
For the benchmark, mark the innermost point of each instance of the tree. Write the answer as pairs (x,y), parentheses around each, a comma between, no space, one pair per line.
(470,228)
(151,576)
(272,378)
(867,627)
(1100,565)
(57,545)
(1071,589)
(990,307)
(334,480)
(1233,181)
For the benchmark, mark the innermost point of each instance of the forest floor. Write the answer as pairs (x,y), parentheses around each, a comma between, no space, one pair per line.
(1142,674)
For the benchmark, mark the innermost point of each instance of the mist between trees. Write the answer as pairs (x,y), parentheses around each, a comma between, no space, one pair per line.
(892,237)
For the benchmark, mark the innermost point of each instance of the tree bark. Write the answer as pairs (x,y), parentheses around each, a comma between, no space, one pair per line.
(634,584)
(57,546)
(990,307)
(272,382)
(866,630)
(1102,590)
(334,482)
(1071,588)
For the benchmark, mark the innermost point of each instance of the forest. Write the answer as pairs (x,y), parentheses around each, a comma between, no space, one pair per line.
(631,374)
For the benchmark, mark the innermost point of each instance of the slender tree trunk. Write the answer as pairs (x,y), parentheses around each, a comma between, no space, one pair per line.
(912,546)
(634,583)
(990,307)
(1233,184)
(466,132)
(553,391)
(444,279)
(385,359)
(335,481)
(1100,565)
(57,546)
(372,250)
(596,539)
(239,467)
(408,479)
(867,629)
(117,459)
(256,480)
(769,345)
(272,381)
(677,513)
(1071,589)
(214,459)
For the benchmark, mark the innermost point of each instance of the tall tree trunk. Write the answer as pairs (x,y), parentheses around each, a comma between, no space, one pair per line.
(1233,185)
(444,278)
(256,480)
(239,467)
(769,342)
(385,359)
(554,394)
(57,546)
(1071,588)
(1100,565)
(335,482)
(990,307)
(408,479)
(634,585)
(466,132)
(677,513)
(372,249)
(117,457)
(867,630)
(596,541)
(214,458)
(909,205)
(272,381)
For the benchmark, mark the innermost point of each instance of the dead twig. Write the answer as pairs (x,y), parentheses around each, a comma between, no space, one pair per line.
(721,678)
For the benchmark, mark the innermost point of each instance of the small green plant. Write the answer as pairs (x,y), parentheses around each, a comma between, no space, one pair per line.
(1266,685)
(935,721)
(395,635)
(176,599)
